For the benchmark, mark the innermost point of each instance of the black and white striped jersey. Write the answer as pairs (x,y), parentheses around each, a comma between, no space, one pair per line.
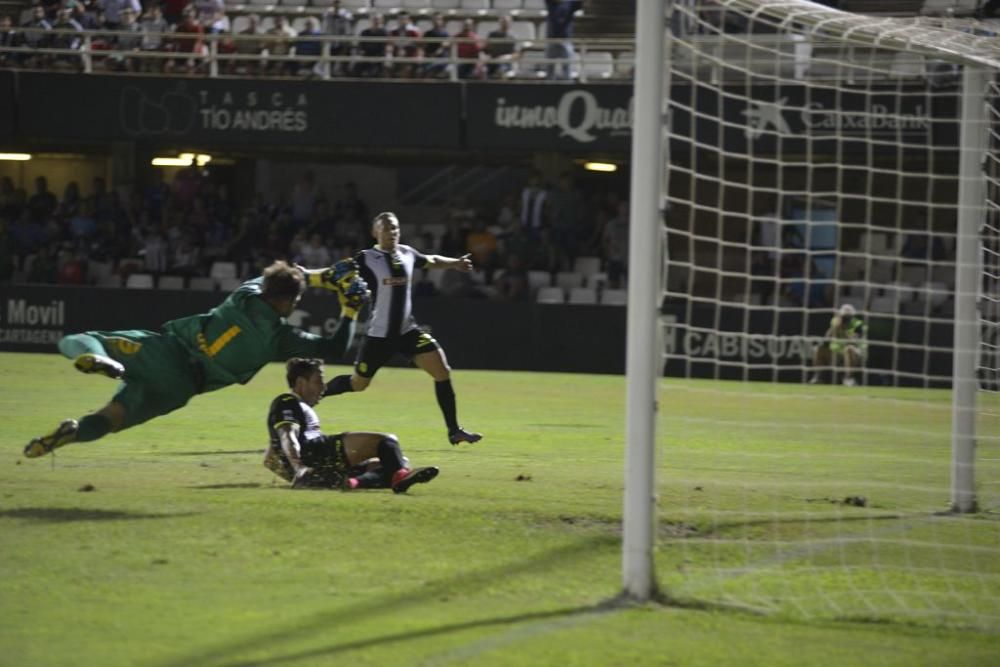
(290,409)
(390,277)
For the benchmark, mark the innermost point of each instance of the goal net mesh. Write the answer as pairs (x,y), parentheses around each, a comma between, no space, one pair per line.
(812,163)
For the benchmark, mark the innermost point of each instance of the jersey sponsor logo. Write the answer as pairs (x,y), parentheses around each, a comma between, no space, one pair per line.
(393,281)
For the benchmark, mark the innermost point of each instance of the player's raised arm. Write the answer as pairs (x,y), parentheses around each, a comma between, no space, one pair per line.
(463,263)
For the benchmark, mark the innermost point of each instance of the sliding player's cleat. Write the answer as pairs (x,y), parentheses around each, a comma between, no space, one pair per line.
(404,479)
(278,465)
(63,435)
(461,435)
(88,362)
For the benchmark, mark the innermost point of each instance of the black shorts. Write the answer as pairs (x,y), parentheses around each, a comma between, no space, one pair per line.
(327,457)
(375,352)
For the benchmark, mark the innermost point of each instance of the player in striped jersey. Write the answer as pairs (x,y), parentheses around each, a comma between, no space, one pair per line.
(388,269)
(300,453)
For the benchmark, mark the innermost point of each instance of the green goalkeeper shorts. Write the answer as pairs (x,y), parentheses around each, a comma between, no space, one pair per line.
(160,375)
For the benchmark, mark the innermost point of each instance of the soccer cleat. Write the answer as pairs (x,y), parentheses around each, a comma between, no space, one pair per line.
(63,435)
(461,435)
(849,382)
(814,379)
(88,362)
(404,479)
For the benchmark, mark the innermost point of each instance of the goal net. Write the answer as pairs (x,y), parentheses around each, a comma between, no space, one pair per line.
(813,162)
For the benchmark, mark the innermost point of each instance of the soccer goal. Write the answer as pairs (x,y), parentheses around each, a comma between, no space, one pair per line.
(814,159)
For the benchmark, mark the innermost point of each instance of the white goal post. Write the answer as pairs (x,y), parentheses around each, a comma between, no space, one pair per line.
(791,158)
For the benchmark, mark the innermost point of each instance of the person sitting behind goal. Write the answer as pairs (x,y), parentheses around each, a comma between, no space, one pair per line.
(300,453)
(845,341)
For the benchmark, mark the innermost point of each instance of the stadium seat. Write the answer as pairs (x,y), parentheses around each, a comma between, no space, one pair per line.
(539,279)
(587,266)
(171,282)
(625,64)
(222,270)
(445,4)
(582,296)
(261,3)
(111,280)
(617,297)
(474,5)
(414,5)
(484,28)
(531,65)
(386,4)
(202,283)
(294,3)
(598,64)
(569,279)
(938,293)
(913,274)
(351,4)
(596,280)
(139,281)
(534,4)
(240,23)
(507,5)
(523,30)
(550,295)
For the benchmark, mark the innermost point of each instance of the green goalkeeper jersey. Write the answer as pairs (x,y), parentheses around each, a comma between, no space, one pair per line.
(238,337)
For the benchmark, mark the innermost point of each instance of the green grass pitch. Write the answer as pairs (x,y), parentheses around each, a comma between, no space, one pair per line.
(184,552)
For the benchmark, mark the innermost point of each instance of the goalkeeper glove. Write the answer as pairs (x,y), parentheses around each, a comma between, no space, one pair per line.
(336,278)
(353,298)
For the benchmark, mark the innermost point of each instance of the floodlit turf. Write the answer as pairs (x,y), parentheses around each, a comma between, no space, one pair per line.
(185,552)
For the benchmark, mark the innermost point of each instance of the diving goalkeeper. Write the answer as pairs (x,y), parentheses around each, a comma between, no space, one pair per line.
(844,341)
(161,371)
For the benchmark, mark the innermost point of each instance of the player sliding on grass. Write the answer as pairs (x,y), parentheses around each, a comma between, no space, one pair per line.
(161,371)
(301,454)
(388,268)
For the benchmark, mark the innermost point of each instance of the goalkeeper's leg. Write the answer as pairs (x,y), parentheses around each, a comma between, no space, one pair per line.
(90,356)
(820,362)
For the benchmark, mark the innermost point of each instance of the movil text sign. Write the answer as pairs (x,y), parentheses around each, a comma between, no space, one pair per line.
(31,321)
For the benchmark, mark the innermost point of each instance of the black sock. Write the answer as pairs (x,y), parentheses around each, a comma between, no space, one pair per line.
(93,427)
(338,385)
(391,458)
(446,401)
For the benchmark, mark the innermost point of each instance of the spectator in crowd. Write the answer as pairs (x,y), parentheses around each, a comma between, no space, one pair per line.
(338,22)
(35,34)
(405,47)
(501,50)
(282,45)
(43,203)
(173,10)
(616,234)
(128,38)
(8,38)
(113,11)
(372,51)
(67,35)
(207,11)
(565,214)
(559,34)
(86,16)
(437,48)
(187,42)
(534,202)
(481,243)
(512,284)
(469,49)
(216,23)
(352,210)
(307,46)
(248,43)
(153,27)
